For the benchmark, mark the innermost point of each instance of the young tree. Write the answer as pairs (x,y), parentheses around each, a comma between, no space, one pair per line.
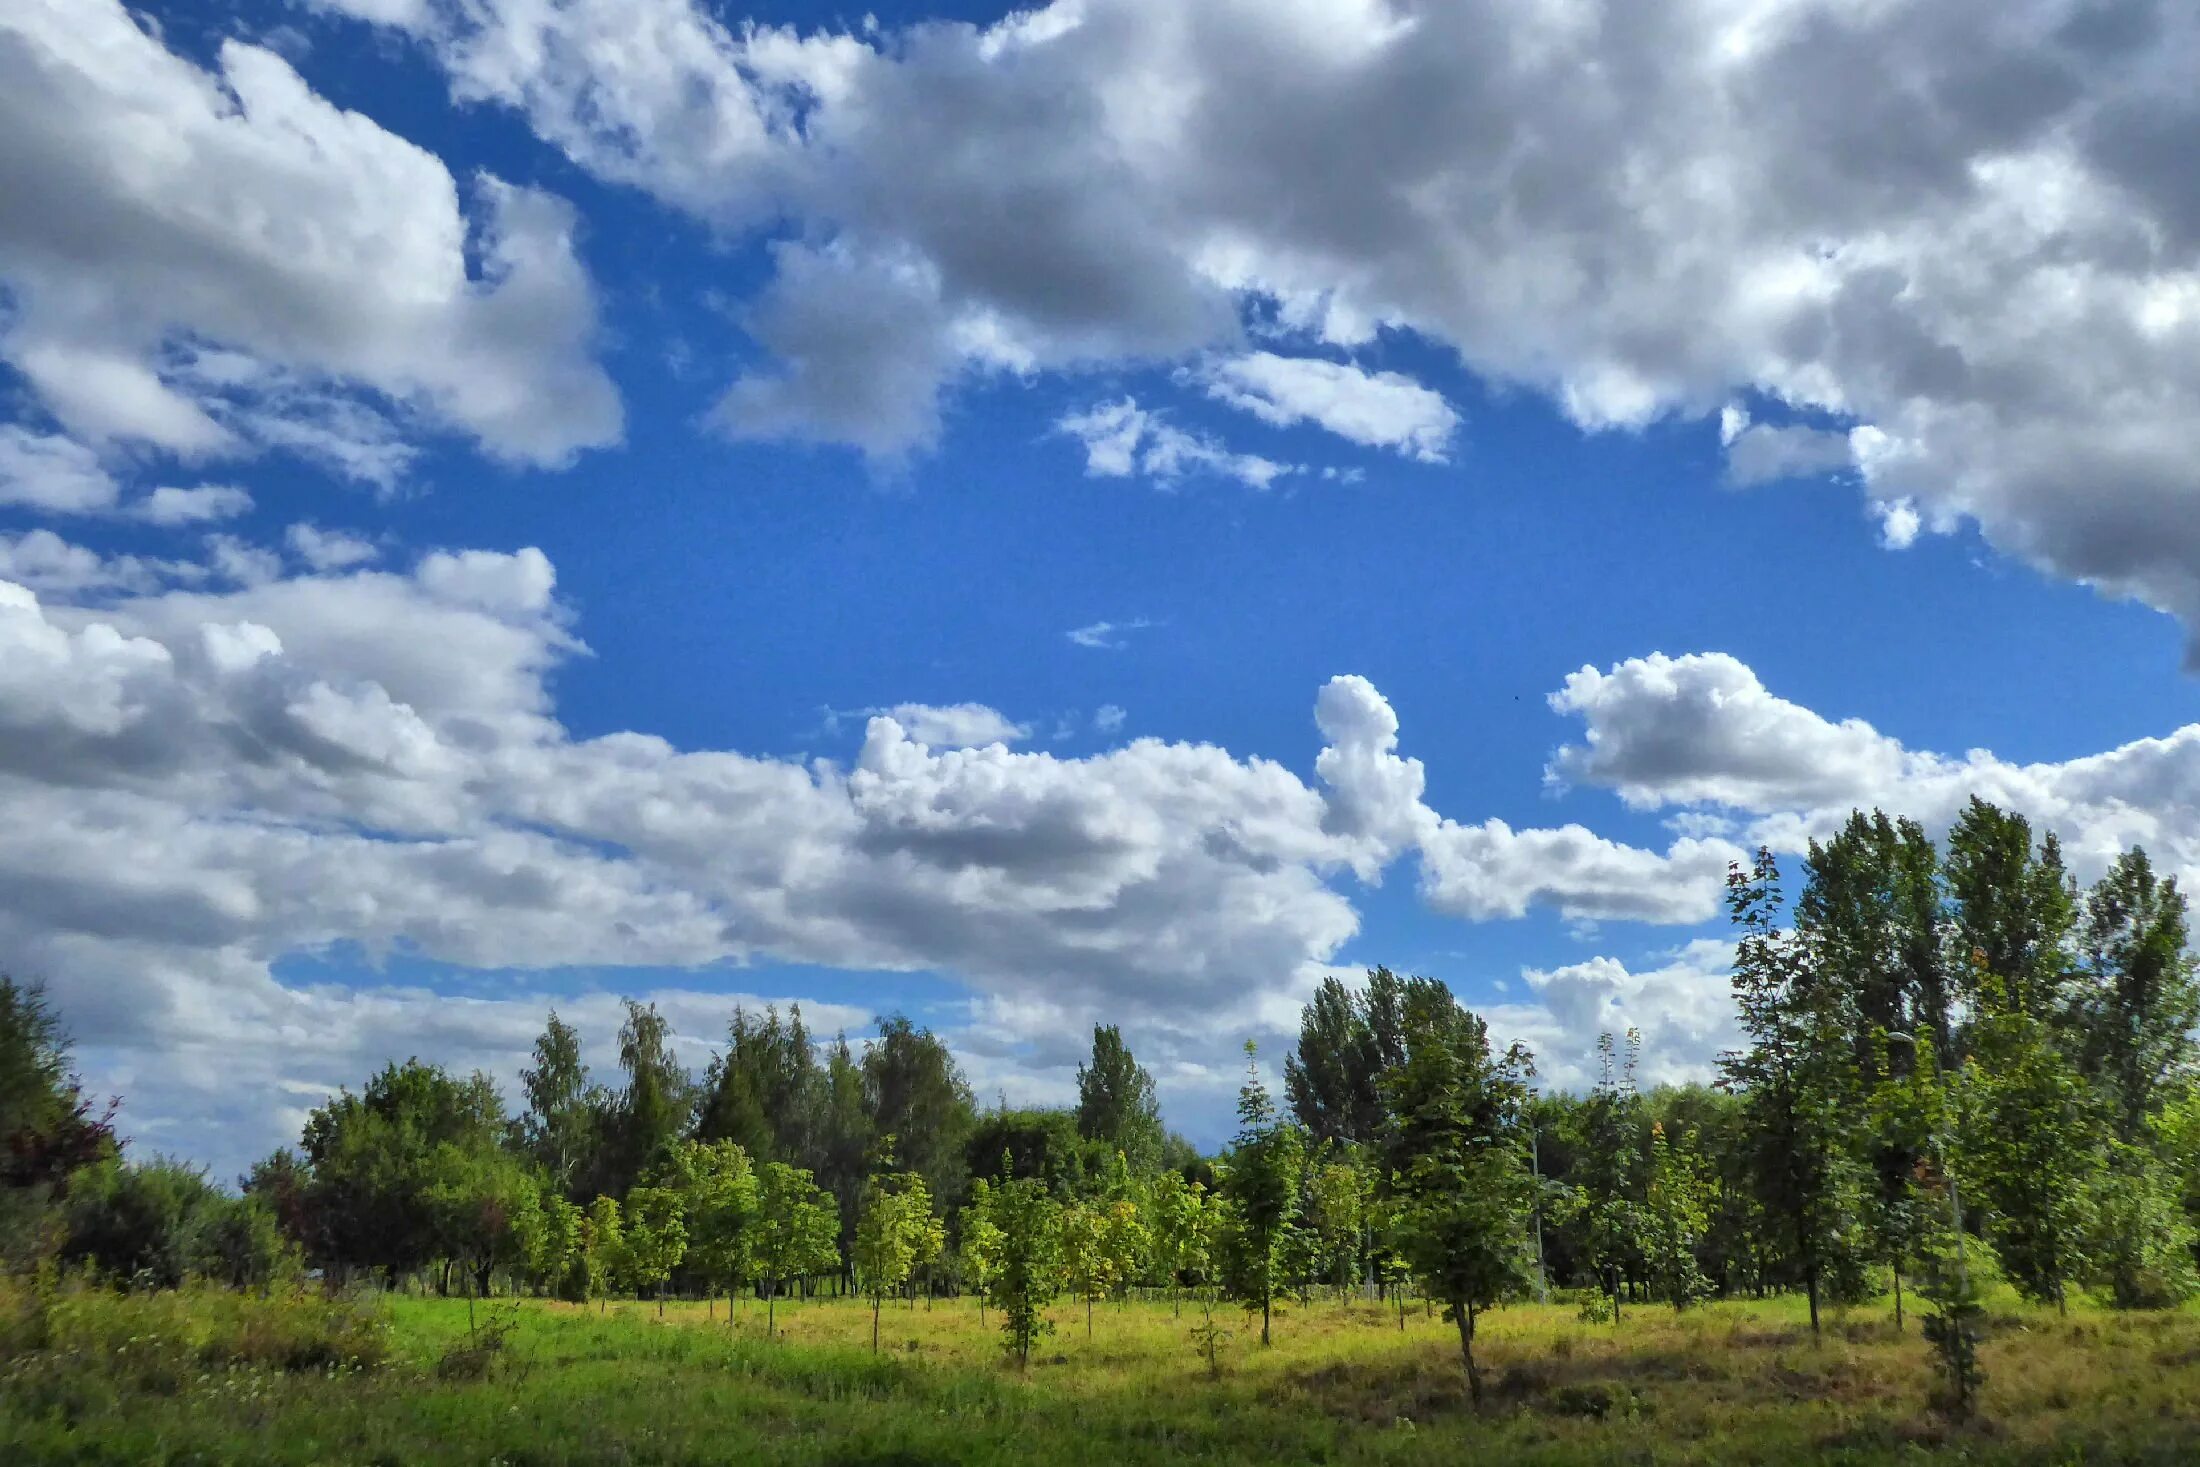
(981,1244)
(718,1193)
(1798,1083)
(653,1109)
(1030,1271)
(656,1239)
(603,1249)
(1605,1198)
(1457,1177)
(1260,1183)
(1086,1264)
(1115,1100)
(895,1232)
(1676,1210)
(1181,1231)
(1337,1191)
(797,1232)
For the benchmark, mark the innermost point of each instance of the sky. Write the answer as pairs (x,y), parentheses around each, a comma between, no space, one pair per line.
(1104,513)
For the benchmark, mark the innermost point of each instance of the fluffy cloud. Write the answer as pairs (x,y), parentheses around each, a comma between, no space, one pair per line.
(1683,1008)
(206,778)
(206,261)
(1702,730)
(1965,229)
(1378,409)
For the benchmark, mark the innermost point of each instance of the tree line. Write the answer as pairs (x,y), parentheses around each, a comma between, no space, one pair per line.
(1956,1066)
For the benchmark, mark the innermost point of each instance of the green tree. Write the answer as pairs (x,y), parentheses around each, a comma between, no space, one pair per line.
(1116,1106)
(719,1203)
(1676,1211)
(1260,1182)
(603,1248)
(1798,1083)
(918,1096)
(1347,1039)
(1181,1232)
(48,1129)
(1604,1201)
(1087,1265)
(1337,1191)
(653,1109)
(797,1232)
(557,1129)
(2013,907)
(656,1240)
(896,1234)
(981,1244)
(1029,1225)
(2135,998)
(762,1093)
(2037,1146)
(1457,1175)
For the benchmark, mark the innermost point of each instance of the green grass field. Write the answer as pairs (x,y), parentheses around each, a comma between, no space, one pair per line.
(159,1379)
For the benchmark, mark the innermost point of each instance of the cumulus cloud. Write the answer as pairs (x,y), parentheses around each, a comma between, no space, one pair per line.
(1963,229)
(170,506)
(206,778)
(1702,730)
(191,254)
(1683,1008)
(1377,409)
(329,550)
(1122,439)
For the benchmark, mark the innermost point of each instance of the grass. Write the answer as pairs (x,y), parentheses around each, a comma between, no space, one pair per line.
(1730,1382)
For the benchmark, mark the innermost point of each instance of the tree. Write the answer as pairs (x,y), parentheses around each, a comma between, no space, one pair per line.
(2136,1000)
(1087,1266)
(1797,1079)
(1337,1191)
(1181,1231)
(1346,1040)
(1456,1173)
(797,1232)
(918,1096)
(981,1244)
(557,1128)
(2037,1148)
(841,1138)
(653,1109)
(656,1240)
(1605,1201)
(1260,1182)
(1029,1275)
(895,1233)
(2014,907)
(1115,1100)
(134,1223)
(483,1208)
(47,1127)
(719,1203)
(603,1248)
(762,1092)
(1676,1210)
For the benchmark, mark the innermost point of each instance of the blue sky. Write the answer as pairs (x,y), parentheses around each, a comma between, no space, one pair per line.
(792,415)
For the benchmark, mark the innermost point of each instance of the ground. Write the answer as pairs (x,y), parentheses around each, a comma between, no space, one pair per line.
(1728,1382)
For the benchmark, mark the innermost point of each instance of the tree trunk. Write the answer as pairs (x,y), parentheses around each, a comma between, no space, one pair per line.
(771,1309)
(1813,1289)
(1898,1296)
(1088,1317)
(1400,1295)
(874,1323)
(1264,1319)
(1466,1313)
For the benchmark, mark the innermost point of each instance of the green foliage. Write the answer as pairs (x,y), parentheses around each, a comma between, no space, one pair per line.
(1116,1105)
(1029,1270)
(797,1230)
(1455,1171)
(138,1225)
(2136,997)
(720,1201)
(558,1128)
(1676,1210)
(2141,1251)
(896,1233)
(1180,1231)
(2033,1138)
(656,1238)
(1260,1186)
(47,1128)
(1347,1039)
(1337,1195)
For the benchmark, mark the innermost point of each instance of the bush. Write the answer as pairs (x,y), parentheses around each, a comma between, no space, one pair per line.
(157,1340)
(238,1242)
(132,1223)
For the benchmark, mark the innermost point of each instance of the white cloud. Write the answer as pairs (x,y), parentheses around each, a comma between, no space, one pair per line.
(1108,719)
(1377,409)
(170,506)
(150,209)
(1966,228)
(329,550)
(203,782)
(1122,439)
(52,474)
(1684,1010)
(1762,454)
(956,725)
(1704,730)
(1107,636)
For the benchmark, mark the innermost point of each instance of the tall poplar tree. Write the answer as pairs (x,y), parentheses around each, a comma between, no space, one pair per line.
(1260,1184)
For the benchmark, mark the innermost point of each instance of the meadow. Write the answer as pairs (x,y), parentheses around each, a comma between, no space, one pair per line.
(201,1376)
